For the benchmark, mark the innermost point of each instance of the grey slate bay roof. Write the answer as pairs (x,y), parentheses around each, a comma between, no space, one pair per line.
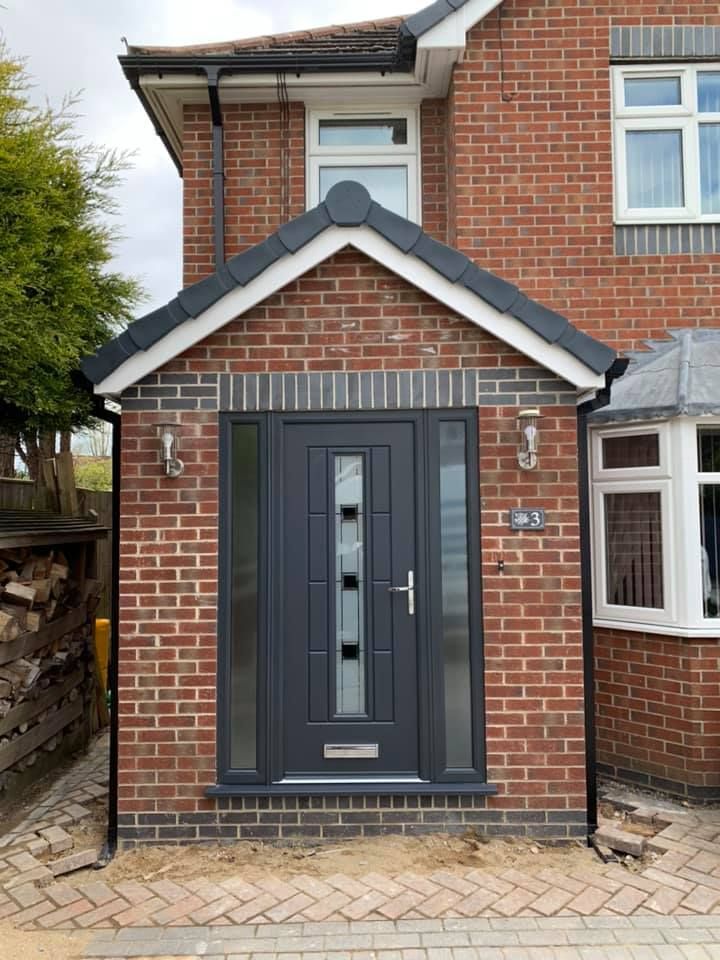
(348,204)
(677,377)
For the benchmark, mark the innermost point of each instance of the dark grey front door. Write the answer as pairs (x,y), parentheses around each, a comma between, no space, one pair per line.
(348,643)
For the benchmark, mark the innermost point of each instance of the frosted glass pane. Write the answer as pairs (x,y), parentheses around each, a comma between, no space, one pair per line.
(710,167)
(388,186)
(363,133)
(655,168)
(709,92)
(455,595)
(243,656)
(652,92)
(349,585)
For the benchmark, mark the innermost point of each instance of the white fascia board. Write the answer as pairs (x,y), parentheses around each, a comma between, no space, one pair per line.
(170,92)
(458,298)
(452,30)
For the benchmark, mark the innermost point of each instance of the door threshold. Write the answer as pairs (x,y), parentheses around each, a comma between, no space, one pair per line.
(342,780)
(339,788)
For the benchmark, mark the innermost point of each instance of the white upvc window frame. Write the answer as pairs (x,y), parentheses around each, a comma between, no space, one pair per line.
(407,155)
(683,117)
(678,479)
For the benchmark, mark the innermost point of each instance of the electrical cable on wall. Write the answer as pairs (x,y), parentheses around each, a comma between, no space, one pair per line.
(505,96)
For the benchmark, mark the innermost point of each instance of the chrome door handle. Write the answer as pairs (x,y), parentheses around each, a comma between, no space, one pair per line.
(409,590)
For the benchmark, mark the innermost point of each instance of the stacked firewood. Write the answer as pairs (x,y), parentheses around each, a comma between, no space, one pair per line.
(35,588)
(48,685)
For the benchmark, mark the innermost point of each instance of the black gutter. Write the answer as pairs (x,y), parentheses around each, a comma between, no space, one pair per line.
(588,644)
(110,846)
(264,62)
(218,166)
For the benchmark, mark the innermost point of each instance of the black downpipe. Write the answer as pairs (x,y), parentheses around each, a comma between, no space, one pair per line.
(110,846)
(587,623)
(588,643)
(218,166)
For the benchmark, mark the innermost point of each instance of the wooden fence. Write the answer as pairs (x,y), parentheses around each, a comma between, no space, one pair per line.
(20,495)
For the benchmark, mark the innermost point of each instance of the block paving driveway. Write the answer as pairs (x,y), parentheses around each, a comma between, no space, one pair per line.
(672,905)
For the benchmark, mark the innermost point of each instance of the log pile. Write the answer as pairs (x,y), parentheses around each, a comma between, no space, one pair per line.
(48,683)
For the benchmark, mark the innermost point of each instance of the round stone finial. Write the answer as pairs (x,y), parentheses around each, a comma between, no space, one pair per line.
(348,203)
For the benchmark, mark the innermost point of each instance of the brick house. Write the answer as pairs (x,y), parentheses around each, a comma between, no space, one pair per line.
(389,499)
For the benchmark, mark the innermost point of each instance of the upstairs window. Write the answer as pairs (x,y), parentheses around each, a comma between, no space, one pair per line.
(667,143)
(377,148)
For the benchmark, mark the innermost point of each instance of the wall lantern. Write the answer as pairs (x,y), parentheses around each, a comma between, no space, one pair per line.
(528,427)
(172,466)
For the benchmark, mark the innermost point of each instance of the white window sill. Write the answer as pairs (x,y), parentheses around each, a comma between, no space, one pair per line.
(663,629)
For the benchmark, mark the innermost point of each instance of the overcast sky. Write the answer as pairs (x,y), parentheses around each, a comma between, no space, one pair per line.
(71,46)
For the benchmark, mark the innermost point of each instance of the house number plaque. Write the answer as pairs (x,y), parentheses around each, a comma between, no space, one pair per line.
(524,518)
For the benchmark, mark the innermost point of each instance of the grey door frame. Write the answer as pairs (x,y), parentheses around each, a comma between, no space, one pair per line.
(265,780)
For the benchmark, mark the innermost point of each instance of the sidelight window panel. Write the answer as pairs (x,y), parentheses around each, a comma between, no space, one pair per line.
(244,596)
(455,594)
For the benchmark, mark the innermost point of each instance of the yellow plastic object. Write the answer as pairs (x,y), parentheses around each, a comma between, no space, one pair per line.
(102,648)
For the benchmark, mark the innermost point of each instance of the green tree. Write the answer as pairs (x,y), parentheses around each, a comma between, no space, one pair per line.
(94,475)
(59,300)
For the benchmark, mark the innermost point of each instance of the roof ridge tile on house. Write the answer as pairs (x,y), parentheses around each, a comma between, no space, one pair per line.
(348,204)
(330,32)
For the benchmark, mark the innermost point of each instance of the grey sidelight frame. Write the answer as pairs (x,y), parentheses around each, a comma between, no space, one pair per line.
(435,776)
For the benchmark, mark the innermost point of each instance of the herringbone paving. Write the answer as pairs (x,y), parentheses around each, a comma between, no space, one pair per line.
(684,880)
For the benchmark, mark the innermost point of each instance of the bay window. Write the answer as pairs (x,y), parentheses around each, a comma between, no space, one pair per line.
(656,526)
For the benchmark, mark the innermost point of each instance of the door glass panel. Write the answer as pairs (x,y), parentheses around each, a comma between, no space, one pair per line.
(360,132)
(655,168)
(349,585)
(652,91)
(633,537)
(387,185)
(243,664)
(455,597)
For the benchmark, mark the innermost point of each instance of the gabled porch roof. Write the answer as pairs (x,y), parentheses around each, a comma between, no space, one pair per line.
(349,217)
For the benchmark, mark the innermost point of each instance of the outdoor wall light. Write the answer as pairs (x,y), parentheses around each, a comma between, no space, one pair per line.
(172,465)
(527,424)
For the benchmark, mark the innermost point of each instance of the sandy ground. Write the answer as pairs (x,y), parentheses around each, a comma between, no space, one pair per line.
(41,945)
(390,855)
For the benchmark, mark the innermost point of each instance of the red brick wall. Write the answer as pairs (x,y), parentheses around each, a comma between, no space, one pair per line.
(254,177)
(658,710)
(262,190)
(434,175)
(348,314)
(533,176)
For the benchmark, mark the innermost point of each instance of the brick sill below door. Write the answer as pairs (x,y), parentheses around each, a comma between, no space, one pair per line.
(355,788)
